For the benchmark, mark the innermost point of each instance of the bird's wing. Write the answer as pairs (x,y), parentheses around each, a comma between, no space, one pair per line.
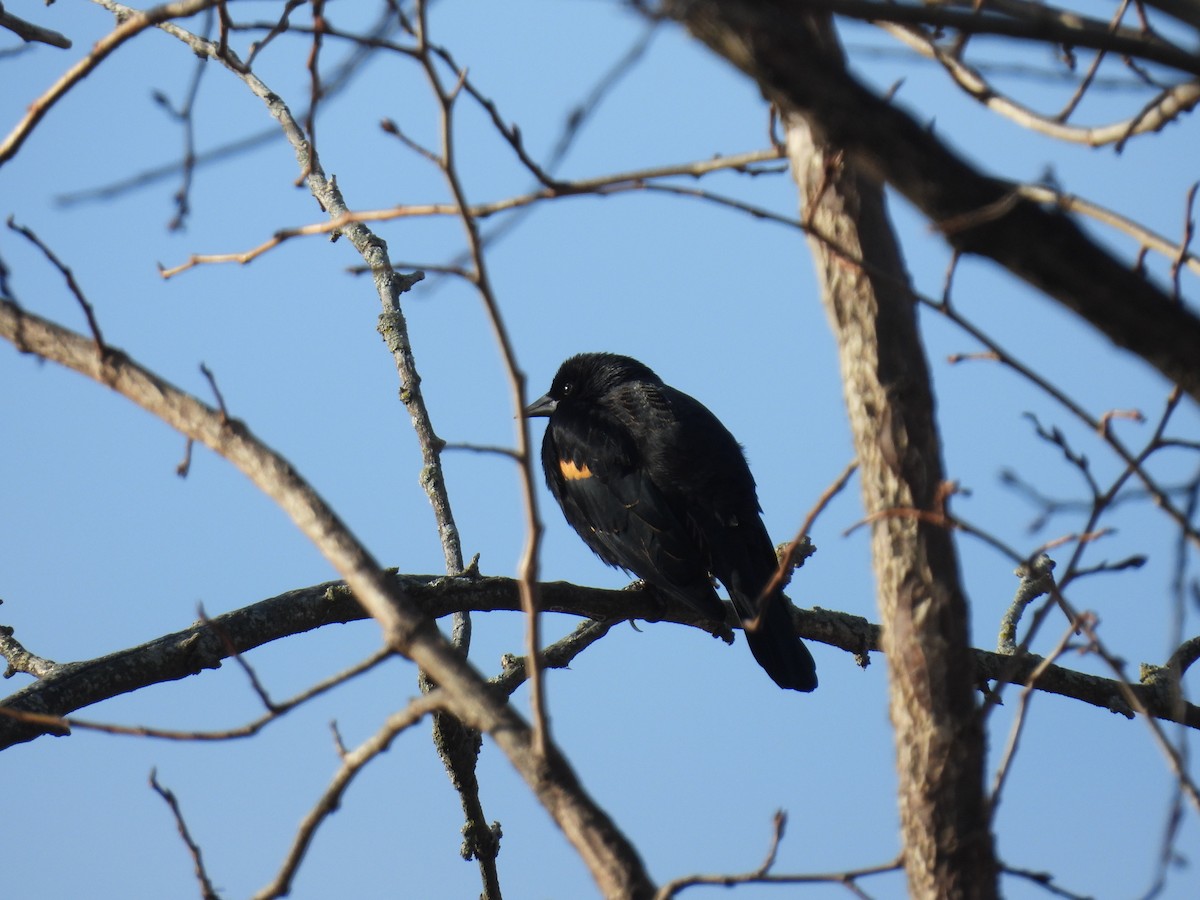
(710,469)
(705,464)
(610,499)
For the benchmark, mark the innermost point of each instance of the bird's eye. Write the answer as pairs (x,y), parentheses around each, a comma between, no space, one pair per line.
(567,389)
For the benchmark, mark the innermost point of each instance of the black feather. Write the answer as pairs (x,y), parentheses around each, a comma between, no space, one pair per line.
(656,485)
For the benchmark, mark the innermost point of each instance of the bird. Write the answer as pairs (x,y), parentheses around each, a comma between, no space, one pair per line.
(657,486)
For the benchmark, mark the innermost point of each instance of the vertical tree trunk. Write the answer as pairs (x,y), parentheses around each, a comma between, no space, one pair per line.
(946,834)
(939,744)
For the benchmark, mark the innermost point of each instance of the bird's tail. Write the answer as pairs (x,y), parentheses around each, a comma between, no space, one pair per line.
(778,648)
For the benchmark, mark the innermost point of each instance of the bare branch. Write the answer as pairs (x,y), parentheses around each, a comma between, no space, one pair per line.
(613,861)
(1170,104)
(65,687)
(30,33)
(1037,579)
(848,879)
(791,556)
(770,41)
(66,724)
(329,801)
(206,888)
(128,27)
(1045,881)
(1018,726)
(1029,21)
(603,185)
(20,660)
(88,311)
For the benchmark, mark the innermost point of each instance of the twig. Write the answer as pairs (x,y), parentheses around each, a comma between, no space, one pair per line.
(1179,254)
(1044,25)
(212,383)
(847,879)
(72,284)
(31,33)
(527,569)
(1189,232)
(206,888)
(128,27)
(1090,75)
(20,660)
(484,448)
(1170,104)
(636,180)
(1018,726)
(1133,461)
(185,464)
(1037,579)
(186,116)
(556,656)
(608,854)
(1183,778)
(334,83)
(231,648)
(276,711)
(788,559)
(1045,881)
(1183,657)
(279,27)
(315,93)
(352,763)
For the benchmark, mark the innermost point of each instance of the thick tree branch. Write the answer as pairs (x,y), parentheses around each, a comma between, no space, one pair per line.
(612,860)
(947,842)
(946,836)
(1034,22)
(64,688)
(770,41)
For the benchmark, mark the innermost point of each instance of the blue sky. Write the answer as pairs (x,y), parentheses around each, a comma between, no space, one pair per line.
(682,739)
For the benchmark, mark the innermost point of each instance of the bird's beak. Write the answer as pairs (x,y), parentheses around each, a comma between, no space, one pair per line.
(543,406)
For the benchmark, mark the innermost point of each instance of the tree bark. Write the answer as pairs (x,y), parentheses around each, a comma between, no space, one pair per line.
(778,45)
(939,742)
(947,841)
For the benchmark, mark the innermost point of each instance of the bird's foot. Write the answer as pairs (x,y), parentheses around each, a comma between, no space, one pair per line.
(656,603)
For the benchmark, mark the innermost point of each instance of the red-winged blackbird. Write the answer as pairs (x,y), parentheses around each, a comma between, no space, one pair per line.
(656,485)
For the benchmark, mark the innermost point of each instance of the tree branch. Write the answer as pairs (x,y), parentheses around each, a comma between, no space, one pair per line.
(66,687)
(127,28)
(611,858)
(1034,22)
(30,33)
(980,214)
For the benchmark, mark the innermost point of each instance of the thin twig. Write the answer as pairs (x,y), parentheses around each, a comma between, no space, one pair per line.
(527,569)
(787,559)
(1184,779)
(29,32)
(206,888)
(622,182)
(315,91)
(609,855)
(847,879)
(276,711)
(127,27)
(1018,726)
(72,285)
(212,383)
(352,763)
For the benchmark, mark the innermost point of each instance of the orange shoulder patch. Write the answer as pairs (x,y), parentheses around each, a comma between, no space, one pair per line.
(573,472)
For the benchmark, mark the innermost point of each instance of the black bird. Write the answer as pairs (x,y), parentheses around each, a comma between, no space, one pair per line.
(656,485)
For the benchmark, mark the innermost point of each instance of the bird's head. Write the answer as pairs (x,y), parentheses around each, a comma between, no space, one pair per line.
(589,377)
